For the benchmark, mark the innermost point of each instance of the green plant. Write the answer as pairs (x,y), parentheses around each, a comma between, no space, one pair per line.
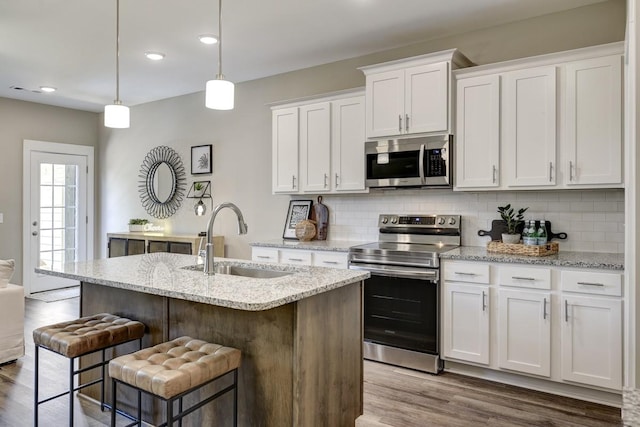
(513,219)
(198,186)
(138,221)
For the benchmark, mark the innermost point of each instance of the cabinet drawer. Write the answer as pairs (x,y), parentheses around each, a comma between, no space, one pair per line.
(467,272)
(264,254)
(295,257)
(330,259)
(525,277)
(588,282)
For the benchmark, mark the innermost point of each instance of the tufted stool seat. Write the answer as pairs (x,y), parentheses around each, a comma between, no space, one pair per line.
(173,369)
(81,337)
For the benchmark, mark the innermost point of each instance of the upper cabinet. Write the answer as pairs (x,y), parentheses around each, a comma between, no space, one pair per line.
(411,96)
(318,145)
(553,121)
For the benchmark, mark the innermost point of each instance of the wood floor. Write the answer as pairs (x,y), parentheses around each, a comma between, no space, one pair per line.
(393,396)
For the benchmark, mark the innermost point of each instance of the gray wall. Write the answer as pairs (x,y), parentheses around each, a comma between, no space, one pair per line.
(26,120)
(242,137)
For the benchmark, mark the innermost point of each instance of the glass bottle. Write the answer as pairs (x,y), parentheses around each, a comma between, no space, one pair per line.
(542,233)
(531,237)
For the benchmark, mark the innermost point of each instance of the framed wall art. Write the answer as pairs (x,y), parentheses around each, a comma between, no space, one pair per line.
(201,159)
(298,210)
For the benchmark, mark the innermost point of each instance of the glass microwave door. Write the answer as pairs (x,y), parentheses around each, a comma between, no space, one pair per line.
(401,164)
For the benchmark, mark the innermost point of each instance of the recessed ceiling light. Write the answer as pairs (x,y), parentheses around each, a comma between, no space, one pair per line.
(47,89)
(208,39)
(154,56)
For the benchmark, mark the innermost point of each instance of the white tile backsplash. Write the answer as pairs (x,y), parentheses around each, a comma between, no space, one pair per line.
(592,219)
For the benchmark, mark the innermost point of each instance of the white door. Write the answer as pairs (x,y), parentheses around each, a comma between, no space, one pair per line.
(385,103)
(347,142)
(57,229)
(524,331)
(315,147)
(426,98)
(285,150)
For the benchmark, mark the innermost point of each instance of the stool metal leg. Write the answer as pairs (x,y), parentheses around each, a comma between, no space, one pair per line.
(71,364)
(139,408)
(170,413)
(180,411)
(35,389)
(113,403)
(235,397)
(102,382)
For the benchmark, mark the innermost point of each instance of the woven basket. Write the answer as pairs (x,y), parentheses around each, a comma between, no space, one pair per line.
(551,248)
(305,230)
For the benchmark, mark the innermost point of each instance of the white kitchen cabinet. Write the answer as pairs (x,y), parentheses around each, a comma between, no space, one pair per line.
(316,258)
(295,257)
(331,259)
(592,340)
(315,147)
(265,254)
(478,132)
(411,96)
(593,117)
(284,139)
(466,322)
(318,146)
(524,331)
(347,144)
(529,127)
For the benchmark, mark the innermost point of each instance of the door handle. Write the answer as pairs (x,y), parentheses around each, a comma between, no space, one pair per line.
(34,233)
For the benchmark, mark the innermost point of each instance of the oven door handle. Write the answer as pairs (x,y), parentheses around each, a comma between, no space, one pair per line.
(397,271)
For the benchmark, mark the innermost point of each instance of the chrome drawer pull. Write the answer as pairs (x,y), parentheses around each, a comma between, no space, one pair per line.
(522,278)
(591,284)
(330,262)
(296,259)
(263,257)
(464,274)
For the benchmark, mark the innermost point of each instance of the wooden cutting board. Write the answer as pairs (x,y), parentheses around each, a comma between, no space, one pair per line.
(499,226)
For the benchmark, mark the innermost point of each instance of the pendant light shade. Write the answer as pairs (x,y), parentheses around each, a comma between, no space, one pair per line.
(116,115)
(219,93)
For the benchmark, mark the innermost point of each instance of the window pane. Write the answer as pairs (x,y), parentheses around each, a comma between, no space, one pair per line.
(46,237)
(46,174)
(70,217)
(58,196)
(58,218)
(58,239)
(70,196)
(46,218)
(46,258)
(59,174)
(70,238)
(70,174)
(70,255)
(46,196)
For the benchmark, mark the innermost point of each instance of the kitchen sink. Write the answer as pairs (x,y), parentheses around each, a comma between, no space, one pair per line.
(235,270)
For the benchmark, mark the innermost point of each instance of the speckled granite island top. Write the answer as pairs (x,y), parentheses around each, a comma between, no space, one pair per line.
(596,260)
(314,245)
(162,274)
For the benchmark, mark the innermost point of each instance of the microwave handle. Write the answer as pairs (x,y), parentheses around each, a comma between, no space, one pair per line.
(421,164)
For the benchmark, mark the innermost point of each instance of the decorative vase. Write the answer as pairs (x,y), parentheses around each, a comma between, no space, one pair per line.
(510,238)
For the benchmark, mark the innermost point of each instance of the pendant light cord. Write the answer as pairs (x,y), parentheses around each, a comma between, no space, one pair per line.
(117,101)
(220,76)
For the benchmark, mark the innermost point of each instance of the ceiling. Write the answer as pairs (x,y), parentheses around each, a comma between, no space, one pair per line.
(70,44)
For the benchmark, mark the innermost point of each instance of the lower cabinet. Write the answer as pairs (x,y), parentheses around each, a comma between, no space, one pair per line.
(316,258)
(554,323)
(123,244)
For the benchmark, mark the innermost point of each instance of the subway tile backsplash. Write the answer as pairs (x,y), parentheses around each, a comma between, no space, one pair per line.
(592,219)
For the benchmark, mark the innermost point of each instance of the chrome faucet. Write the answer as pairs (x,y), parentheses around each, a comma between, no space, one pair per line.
(208,255)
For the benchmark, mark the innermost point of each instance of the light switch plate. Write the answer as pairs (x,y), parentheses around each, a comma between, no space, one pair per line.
(1,217)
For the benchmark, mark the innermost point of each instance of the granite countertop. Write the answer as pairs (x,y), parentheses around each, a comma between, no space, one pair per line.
(597,260)
(314,245)
(162,274)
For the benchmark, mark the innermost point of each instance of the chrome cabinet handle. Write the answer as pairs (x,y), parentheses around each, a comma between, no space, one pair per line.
(406,122)
(544,309)
(484,302)
(494,174)
(522,278)
(550,171)
(591,284)
(566,311)
(337,180)
(296,259)
(263,256)
(330,262)
(570,170)
(464,274)
(325,180)
(399,122)
(293,181)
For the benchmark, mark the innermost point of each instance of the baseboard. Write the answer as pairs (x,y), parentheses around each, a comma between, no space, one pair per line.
(546,386)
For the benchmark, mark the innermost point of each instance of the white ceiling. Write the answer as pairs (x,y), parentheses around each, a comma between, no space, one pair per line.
(70,44)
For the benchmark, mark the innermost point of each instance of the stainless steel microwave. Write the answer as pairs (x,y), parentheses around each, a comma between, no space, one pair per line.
(411,162)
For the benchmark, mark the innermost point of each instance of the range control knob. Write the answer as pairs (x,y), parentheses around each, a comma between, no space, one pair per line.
(441,220)
(452,221)
(394,220)
(384,220)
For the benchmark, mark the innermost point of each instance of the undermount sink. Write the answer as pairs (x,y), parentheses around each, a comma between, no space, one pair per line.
(235,270)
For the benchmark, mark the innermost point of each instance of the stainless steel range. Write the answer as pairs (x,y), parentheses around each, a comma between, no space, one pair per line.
(401,298)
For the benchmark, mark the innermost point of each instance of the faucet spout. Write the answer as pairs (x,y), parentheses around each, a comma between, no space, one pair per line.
(242,229)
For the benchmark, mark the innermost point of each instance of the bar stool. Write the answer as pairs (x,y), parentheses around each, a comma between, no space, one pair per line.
(81,337)
(173,369)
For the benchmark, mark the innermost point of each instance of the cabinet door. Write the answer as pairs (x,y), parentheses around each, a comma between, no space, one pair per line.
(331,259)
(295,257)
(385,103)
(285,150)
(466,322)
(524,331)
(135,247)
(529,138)
(347,142)
(315,147)
(478,132)
(117,247)
(264,254)
(181,248)
(592,341)
(158,246)
(593,121)
(426,95)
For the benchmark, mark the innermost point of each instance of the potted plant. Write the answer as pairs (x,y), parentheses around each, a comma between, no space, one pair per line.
(513,219)
(198,189)
(137,224)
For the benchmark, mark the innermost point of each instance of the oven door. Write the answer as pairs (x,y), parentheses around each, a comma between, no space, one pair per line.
(401,307)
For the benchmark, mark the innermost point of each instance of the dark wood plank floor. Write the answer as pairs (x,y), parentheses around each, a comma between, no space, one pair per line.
(393,396)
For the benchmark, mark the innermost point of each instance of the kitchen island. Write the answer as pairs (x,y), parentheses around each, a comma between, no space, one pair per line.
(300,334)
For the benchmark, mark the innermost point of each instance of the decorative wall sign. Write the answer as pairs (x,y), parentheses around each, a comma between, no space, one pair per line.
(298,210)
(162,182)
(201,159)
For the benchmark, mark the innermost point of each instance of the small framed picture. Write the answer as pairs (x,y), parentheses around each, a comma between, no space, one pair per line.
(201,159)
(298,211)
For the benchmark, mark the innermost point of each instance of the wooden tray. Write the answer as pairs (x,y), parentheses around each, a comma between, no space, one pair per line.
(499,226)
(551,248)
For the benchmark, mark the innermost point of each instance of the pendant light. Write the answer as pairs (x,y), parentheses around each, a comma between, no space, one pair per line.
(219,92)
(116,115)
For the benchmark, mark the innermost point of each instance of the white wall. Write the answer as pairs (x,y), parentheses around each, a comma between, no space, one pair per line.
(242,145)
